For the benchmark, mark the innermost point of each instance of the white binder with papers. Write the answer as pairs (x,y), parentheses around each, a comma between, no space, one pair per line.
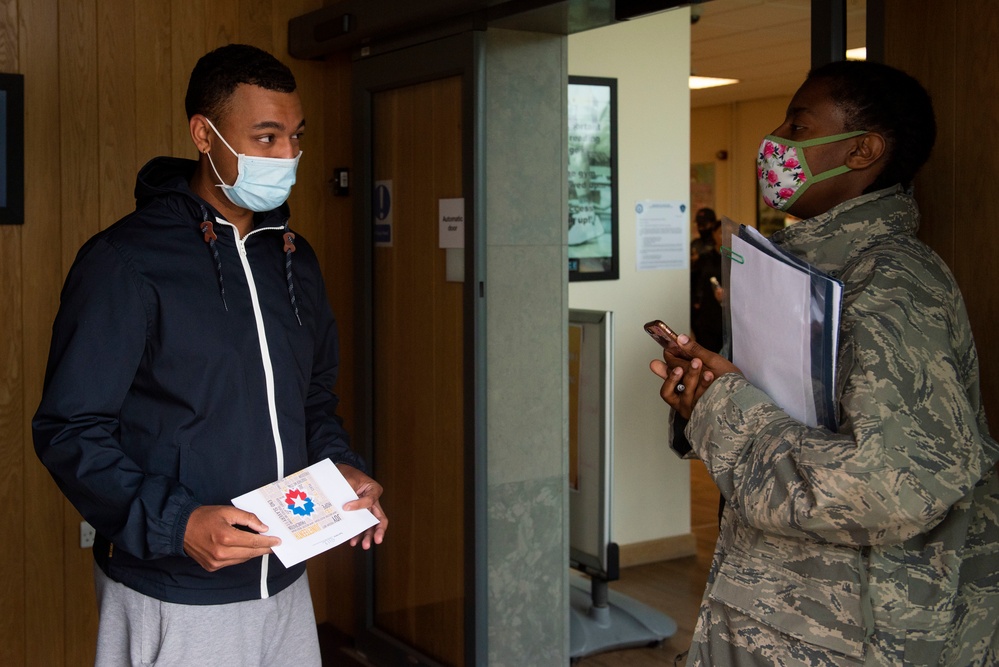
(785,327)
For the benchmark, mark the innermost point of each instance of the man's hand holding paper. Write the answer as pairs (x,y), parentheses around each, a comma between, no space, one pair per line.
(308,510)
(368,493)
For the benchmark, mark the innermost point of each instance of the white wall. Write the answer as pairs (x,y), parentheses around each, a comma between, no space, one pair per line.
(650,58)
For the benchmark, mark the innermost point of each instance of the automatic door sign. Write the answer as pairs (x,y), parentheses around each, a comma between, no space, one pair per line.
(381,207)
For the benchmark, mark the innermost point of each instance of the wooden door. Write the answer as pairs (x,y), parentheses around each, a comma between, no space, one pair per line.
(417,384)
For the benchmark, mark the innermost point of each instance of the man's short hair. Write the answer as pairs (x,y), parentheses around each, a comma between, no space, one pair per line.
(218,73)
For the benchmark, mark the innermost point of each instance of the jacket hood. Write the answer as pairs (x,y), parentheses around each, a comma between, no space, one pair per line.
(170,177)
(163,176)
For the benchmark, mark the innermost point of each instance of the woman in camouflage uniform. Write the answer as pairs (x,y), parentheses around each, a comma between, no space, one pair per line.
(877,544)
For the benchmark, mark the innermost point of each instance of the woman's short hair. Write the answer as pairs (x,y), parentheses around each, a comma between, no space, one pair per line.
(880,98)
(218,73)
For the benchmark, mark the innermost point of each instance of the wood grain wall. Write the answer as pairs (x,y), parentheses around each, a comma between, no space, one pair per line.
(104,88)
(951,48)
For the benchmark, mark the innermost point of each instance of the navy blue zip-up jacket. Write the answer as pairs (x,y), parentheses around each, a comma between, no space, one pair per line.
(187,367)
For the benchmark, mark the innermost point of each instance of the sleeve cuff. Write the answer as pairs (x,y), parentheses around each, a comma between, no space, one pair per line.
(723,418)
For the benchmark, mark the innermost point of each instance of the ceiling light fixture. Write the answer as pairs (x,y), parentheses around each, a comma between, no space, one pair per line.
(699,82)
(857,54)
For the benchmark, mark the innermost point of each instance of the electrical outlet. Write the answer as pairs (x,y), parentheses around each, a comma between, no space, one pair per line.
(87,533)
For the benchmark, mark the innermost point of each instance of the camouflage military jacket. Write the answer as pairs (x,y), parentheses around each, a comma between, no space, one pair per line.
(877,544)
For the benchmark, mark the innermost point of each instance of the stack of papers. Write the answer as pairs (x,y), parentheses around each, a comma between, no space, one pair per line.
(785,327)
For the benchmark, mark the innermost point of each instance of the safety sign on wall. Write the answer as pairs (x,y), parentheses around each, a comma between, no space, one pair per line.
(381,208)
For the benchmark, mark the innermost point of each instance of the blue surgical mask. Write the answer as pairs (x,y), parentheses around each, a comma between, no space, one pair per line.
(262,183)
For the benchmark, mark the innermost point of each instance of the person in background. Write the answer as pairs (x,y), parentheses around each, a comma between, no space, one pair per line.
(706,223)
(192,360)
(705,288)
(876,543)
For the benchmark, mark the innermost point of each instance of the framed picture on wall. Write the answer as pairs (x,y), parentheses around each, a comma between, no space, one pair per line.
(593,231)
(11,149)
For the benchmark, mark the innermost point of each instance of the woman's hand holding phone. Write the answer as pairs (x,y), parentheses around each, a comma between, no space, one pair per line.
(687,369)
(662,334)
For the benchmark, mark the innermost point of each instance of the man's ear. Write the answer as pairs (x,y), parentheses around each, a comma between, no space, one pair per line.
(867,150)
(201,133)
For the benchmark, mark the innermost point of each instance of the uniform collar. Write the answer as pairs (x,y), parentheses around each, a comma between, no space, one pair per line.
(830,240)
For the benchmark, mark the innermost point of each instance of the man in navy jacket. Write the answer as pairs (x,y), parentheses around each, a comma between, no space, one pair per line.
(192,360)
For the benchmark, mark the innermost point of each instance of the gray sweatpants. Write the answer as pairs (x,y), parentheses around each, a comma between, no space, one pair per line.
(136,629)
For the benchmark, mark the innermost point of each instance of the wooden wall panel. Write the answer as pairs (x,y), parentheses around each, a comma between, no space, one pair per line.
(976,165)
(44,534)
(8,38)
(155,113)
(950,48)
(80,186)
(222,25)
(79,125)
(12,488)
(937,74)
(12,454)
(189,31)
(116,84)
(255,23)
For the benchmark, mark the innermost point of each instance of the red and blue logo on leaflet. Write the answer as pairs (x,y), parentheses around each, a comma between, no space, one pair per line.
(299,502)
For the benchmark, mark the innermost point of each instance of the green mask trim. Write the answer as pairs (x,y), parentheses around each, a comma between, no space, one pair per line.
(809,176)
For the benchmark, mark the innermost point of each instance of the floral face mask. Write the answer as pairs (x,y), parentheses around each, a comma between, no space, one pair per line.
(782,172)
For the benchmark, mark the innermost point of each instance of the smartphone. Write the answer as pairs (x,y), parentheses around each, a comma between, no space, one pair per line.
(661,332)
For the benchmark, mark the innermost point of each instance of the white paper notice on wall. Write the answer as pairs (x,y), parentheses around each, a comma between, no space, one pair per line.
(452,222)
(660,228)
